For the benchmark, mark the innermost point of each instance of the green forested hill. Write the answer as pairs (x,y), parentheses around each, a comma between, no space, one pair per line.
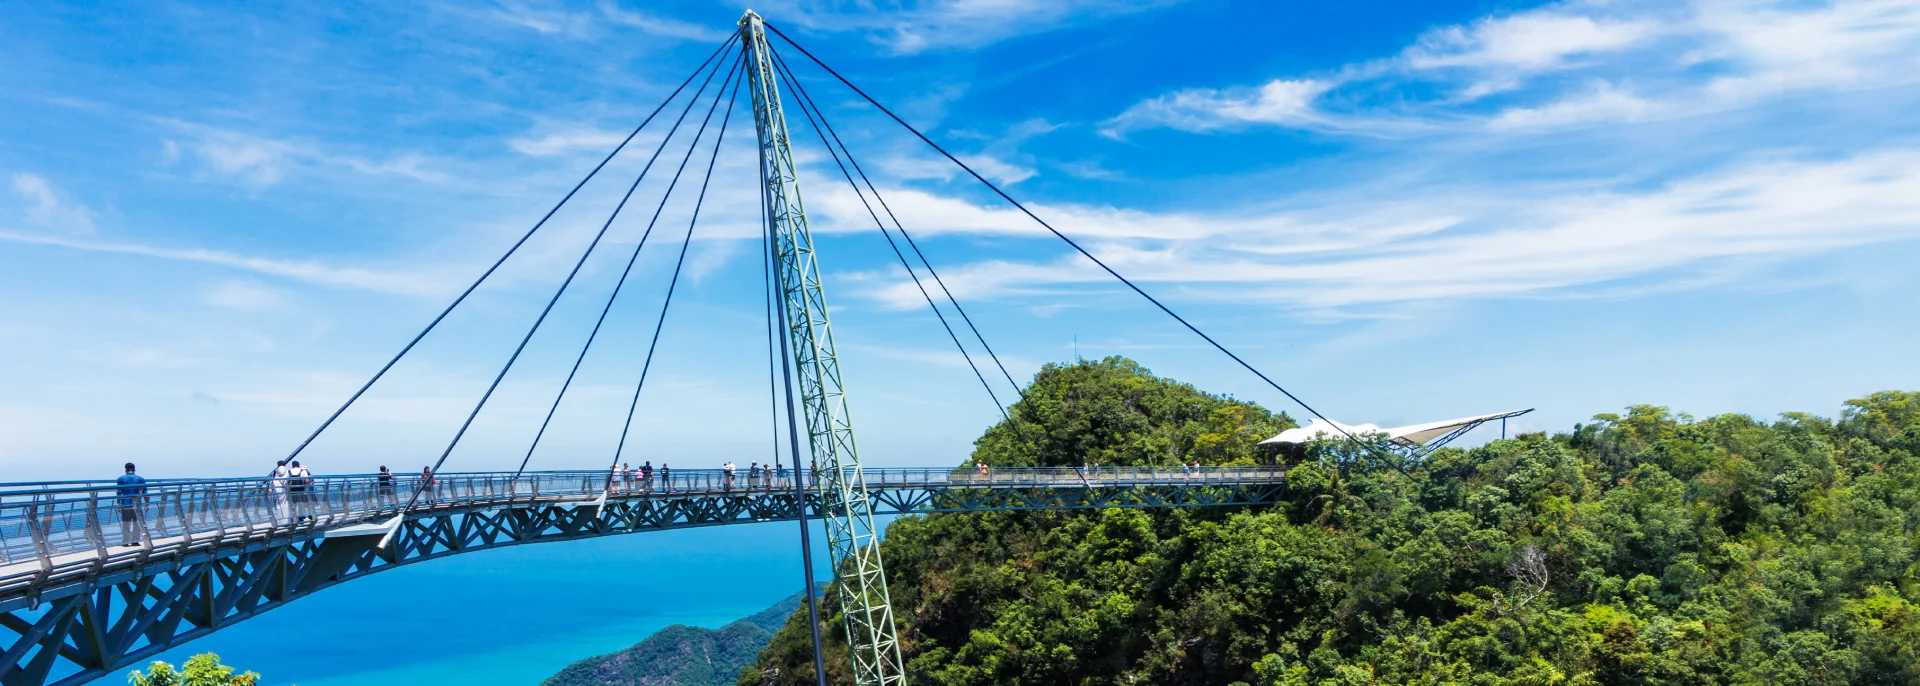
(1645,548)
(681,655)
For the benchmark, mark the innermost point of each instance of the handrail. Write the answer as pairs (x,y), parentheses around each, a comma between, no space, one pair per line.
(47,522)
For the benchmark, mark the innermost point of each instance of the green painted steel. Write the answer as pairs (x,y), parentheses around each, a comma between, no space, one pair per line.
(851,537)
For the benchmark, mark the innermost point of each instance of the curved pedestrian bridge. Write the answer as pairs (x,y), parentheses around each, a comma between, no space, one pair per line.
(93,580)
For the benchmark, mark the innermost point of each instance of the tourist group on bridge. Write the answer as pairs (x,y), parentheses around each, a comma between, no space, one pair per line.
(627,479)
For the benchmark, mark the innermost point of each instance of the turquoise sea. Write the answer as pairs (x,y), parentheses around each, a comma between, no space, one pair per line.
(514,615)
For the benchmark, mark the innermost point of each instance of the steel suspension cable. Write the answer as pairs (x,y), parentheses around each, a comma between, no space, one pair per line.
(819,130)
(503,258)
(719,138)
(766,287)
(807,98)
(624,273)
(1063,237)
(524,340)
(769,275)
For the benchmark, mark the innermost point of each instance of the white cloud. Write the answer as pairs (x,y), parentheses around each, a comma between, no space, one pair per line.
(1532,41)
(589,26)
(308,271)
(1778,48)
(245,296)
(1518,243)
(46,207)
(553,22)
(710,255)
(1280,102)
(914,27)
(996,169)
(256,161)
(262,161)
(1684,59)
(663,26)
(408,165)
(1000,160)
(1604,103)
(567,141)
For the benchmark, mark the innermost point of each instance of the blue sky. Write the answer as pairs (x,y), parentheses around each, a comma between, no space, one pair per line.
(217,219)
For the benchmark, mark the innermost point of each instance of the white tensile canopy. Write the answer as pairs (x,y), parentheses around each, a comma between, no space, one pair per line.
(1409,436)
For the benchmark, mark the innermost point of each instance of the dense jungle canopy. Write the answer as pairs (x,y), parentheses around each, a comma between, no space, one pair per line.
(1642,548)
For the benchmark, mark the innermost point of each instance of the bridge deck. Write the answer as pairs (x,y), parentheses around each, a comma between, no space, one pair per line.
(208,553)
(53,532)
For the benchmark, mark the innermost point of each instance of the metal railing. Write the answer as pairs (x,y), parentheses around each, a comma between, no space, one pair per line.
(60,524)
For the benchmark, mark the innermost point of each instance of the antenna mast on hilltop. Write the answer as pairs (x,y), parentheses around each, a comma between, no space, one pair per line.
(851,536)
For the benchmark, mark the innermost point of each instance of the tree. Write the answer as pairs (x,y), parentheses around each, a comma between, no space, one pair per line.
(1645,548)
(201,670)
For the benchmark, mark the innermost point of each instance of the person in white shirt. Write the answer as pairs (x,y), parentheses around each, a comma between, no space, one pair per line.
(300,480)
(726,472)
(277,486)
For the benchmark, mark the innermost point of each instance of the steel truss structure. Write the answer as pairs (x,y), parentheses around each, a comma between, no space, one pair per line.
(852,540)
(80,615)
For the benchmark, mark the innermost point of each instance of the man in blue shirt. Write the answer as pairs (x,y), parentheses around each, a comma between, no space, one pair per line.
(130,487)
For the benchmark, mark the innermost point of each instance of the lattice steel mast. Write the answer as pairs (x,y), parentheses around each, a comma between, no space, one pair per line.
(851,536)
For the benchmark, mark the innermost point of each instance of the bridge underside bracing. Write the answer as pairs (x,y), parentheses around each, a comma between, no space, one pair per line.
(78,617)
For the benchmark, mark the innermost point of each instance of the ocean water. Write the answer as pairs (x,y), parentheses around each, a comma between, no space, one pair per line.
(514,615)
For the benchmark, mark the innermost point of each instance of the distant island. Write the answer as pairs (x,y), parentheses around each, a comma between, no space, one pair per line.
(681,655)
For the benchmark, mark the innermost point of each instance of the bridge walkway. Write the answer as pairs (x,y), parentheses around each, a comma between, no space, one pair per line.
(207,553)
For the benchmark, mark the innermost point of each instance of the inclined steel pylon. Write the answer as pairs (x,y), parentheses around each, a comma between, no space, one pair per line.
(851,537)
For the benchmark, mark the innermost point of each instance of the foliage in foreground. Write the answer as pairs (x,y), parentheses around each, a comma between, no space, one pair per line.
(201,670)
(1645,548)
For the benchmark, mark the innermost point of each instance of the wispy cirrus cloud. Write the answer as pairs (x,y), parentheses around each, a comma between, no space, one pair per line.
(1000,158)
(568,140)
(595,25)
(1525,243)
(1592,74)
(310,271)
(248,296)
(914,27)
(661,25)
(257,160)
(1533,41)
(1605,102)
(1575,63)
(48,207)
(1280,102)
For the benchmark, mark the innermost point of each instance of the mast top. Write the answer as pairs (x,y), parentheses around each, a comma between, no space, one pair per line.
(750,17)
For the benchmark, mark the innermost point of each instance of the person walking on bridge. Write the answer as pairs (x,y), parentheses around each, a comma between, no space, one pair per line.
(666,478)
(646,476)
(383,486)
(300,483)
(426,483)
(726,476)
(277,487)
(753,475)
(131,489)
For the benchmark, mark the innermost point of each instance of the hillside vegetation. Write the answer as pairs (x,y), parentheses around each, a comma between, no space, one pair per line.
(1644,548)
(681,655)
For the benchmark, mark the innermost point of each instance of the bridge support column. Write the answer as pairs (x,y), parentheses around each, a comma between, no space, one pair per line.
(851,537)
